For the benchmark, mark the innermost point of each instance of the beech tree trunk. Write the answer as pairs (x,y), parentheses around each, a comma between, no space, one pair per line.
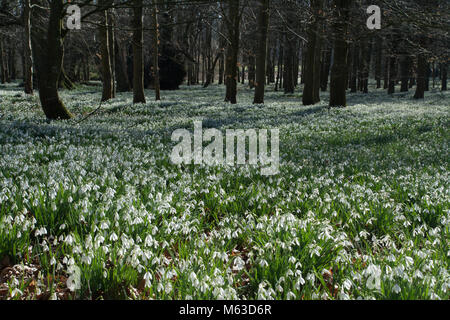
(386,73)
(318,54)
(378,60)
(355,68)
(261,54)
(339,70)
(12,63)
(279,67)
(421,75)
(288,55)
(325,70)
(138,53)
(112,49)
(48,53)
(392,74)
(123,82)
(405,65)
(444,72)
(312,71)
(427,77)
(251,71)
(366,49)
(155,67)
(232,51)
(28,60)
(105,55)
(3,64)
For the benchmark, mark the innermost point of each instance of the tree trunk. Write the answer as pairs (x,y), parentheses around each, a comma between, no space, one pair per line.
(339,70)
(279,67)
(138,53)
(392,74)
(155,68)
(421,75)
(318,55)
(251,71)
(64,81)
(48,55)
(288,55)
(444,71)
(261,54)
(232,51)
(210,74)
(112,49)
(312,71)
(28,60)
(105,61)
(355,68)
(12,63)
(405,65)
(366,48)
(221,69)
(427,77)
(296,63)
(303,57)
(325,70)
(378,60)
(86,69)
(386,73)
(2,61)
(123,82)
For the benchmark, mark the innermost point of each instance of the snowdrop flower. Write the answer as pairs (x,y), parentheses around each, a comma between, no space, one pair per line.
(263,263)
(397,289)
(148,278)
(16,292)
(113,237)
(238,264)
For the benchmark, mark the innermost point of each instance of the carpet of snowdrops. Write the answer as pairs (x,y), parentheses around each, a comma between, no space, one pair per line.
(93,208)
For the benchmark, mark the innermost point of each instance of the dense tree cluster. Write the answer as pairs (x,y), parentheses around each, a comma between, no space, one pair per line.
(137,44)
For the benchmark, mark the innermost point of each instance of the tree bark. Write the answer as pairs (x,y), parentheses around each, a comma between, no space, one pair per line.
(251,71)
(318,54)
(339,70)
(12,63)
(366,49)
(48,55)
(444,72)
(421,75)
(312,71)
(112,49)
(3,65)
(107,92)
(355,68)
(280,66)
(123,82)
(261,54)
(405,66)
(378,60)
(386,73)
(28,60)
(288,56)
(155,67)
(138,53)
(232,51)
(325,70)
(427,77)
(392,74)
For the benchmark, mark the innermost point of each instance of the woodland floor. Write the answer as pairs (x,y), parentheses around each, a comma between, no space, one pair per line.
(360,208)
